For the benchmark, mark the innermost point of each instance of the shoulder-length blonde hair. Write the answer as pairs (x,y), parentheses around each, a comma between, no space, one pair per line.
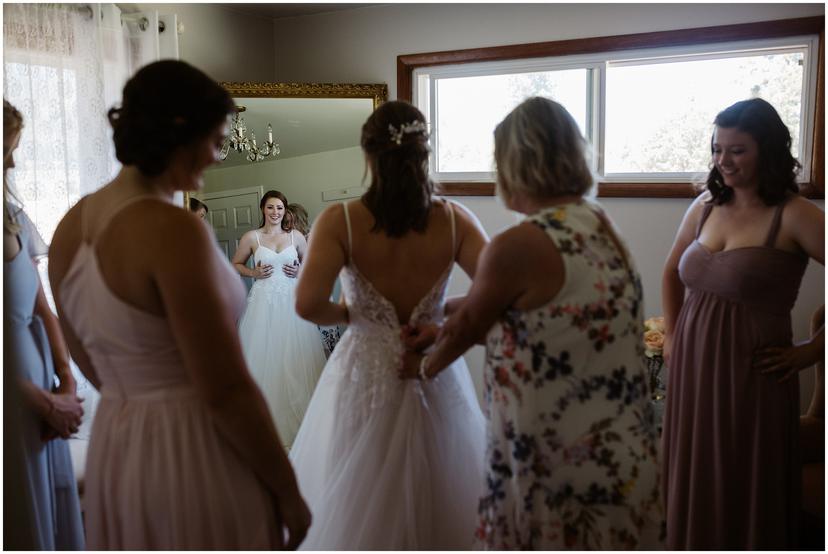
(540,152)
(12,125)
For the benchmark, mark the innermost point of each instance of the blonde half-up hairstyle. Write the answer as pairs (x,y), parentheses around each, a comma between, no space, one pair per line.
(12,126)
(540,153)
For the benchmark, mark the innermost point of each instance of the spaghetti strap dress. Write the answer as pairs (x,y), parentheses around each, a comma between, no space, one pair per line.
(731,469)
(159,474)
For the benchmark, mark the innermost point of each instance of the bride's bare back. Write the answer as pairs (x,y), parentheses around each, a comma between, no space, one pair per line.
(402,269)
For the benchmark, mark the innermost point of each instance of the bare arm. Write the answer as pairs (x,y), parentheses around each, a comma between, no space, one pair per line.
(57,343)
(502,276)
(672,289)
(243,253)
(471,239)
(65,411)
(806,223)
(325,257)
(201,312)
(65,243)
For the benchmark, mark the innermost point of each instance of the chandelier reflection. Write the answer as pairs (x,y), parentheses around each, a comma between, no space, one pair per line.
(238,140)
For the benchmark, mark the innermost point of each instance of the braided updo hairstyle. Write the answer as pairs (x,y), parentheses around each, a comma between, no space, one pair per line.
(166,105)
(399,196)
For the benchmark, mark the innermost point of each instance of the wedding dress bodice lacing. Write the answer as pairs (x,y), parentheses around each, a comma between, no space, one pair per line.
(386,463)
(373,341)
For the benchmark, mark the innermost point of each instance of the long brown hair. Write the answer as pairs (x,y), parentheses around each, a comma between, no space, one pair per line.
(776,167)
(395,143)
(12,126)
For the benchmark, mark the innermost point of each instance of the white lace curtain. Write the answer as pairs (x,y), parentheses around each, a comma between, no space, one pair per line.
(64,66)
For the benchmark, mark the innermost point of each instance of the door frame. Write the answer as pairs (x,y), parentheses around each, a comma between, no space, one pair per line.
(233,192)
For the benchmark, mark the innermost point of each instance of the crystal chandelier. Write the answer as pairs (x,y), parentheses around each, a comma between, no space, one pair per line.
(238,141)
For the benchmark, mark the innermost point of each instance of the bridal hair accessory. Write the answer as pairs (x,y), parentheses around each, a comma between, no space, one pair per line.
(406,129)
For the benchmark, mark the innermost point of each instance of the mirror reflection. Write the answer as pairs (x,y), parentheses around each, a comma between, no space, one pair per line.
(261,205)
(319,162)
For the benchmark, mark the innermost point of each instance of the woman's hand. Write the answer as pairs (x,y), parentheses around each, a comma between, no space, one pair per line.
(419,337)
(291,270)
(786,360)
(262,271)
(294,516)
(410,367)
(65,414)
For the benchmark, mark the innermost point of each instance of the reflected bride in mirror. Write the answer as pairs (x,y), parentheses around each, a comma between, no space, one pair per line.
(283,351)
(308,143)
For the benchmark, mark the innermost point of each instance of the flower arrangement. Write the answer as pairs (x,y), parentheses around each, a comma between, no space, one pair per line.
(654,337)
(654,350)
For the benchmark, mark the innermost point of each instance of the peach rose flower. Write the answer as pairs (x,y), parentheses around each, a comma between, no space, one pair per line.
(655,324)
(653,343)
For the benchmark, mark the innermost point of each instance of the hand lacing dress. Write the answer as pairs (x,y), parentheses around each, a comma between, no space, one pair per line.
(386,464)
(159,475)
(731,468)
(284,352)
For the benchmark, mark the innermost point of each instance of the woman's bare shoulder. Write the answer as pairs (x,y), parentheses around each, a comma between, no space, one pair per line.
(515,244)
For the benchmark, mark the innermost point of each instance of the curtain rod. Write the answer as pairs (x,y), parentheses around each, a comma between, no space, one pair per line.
(143,21)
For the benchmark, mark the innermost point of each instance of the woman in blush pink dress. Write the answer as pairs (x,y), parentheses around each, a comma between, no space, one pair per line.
(731,467)
(183,453)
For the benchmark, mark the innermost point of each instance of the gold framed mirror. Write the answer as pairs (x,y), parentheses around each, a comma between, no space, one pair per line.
(307,139)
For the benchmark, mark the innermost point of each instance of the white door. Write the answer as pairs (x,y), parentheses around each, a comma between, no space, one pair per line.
(231,215)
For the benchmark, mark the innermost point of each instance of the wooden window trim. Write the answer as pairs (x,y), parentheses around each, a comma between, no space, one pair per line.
(813,188)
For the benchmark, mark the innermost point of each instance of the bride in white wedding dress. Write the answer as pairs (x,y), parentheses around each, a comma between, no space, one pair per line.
(285,354)
(387,464)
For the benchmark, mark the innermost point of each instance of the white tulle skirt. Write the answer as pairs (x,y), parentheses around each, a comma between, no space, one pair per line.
(386,464)
(284,352)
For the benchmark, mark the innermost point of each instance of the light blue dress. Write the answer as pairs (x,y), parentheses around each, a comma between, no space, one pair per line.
(51,481)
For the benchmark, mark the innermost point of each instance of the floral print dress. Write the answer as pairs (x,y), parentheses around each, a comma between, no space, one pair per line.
(572,446)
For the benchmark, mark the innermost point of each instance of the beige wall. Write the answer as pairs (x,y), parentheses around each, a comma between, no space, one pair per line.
(225,44)
(301,179)
(361,45)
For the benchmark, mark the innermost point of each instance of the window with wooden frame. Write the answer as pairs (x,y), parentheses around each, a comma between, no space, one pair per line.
(645,102)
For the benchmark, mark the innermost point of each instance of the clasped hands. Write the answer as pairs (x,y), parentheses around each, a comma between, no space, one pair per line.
(263,271)
(65,412)
(416,339)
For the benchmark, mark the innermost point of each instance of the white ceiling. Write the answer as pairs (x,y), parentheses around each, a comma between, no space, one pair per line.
(279,10)
(303,126)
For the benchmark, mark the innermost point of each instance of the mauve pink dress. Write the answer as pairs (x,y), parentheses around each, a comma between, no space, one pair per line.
(731,470)
(159,475)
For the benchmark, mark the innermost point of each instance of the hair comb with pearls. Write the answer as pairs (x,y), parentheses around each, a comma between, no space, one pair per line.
(406,129)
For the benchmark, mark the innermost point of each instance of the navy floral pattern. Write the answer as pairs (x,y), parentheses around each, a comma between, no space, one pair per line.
(572,444)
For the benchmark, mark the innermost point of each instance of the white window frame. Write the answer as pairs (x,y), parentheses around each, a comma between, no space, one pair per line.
(424,85)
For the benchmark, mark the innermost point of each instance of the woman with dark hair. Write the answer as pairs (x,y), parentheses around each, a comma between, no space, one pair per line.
(388,464)
(198,207)
(35,354)
(183,452)
(284,352)
(731,469)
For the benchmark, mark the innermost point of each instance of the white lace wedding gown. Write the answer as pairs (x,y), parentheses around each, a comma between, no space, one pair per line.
(284,352)
(386,464)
